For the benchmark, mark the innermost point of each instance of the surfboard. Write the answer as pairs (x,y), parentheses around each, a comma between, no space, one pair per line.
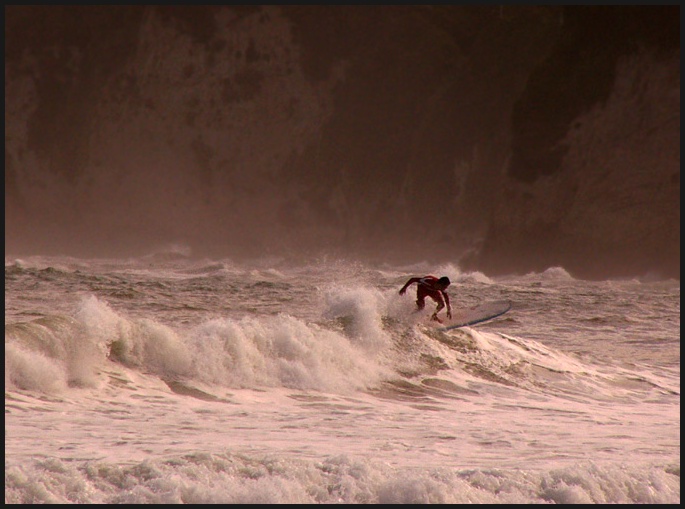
(478,314)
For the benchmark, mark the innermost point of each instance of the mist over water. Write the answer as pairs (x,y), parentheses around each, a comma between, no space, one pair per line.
(512,138)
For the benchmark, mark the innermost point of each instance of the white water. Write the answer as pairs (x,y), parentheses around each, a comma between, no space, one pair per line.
(166,379)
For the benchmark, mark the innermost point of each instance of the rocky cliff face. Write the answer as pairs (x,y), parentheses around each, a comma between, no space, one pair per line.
(516,134)
(593,183)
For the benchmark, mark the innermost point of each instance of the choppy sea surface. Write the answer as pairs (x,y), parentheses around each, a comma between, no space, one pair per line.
(166,379)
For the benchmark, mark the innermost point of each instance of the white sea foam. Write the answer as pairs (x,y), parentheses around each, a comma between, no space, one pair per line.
(202,478)
(31,370)
(278,351)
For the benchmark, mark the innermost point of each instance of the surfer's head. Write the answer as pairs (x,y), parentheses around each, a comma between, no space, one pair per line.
(444,281)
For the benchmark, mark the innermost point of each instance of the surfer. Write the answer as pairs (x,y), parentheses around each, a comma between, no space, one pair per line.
(431,286)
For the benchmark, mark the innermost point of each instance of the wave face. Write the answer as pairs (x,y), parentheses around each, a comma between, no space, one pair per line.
(169,379)
(292,130)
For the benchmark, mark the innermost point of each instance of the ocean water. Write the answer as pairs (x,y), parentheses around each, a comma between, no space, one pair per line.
(167,379)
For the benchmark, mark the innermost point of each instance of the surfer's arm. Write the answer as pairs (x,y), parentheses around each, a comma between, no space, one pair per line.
(447,301)
(406,285)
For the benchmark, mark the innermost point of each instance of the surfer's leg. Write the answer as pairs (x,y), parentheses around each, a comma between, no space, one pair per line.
(441,305)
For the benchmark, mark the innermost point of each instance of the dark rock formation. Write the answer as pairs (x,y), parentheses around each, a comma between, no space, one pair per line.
(528,136)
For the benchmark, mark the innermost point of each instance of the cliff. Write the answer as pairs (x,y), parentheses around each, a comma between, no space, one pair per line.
(509,138)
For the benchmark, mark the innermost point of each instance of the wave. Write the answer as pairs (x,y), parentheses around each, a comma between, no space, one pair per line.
(239,479)
(173,250)
(556,273)
(42,263)
(56,352)
(177,260)
(363,340)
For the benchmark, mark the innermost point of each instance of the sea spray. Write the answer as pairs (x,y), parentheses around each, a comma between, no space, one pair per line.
(142,342)
(279,351)
(50,353)
(33,371)
(359,310)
